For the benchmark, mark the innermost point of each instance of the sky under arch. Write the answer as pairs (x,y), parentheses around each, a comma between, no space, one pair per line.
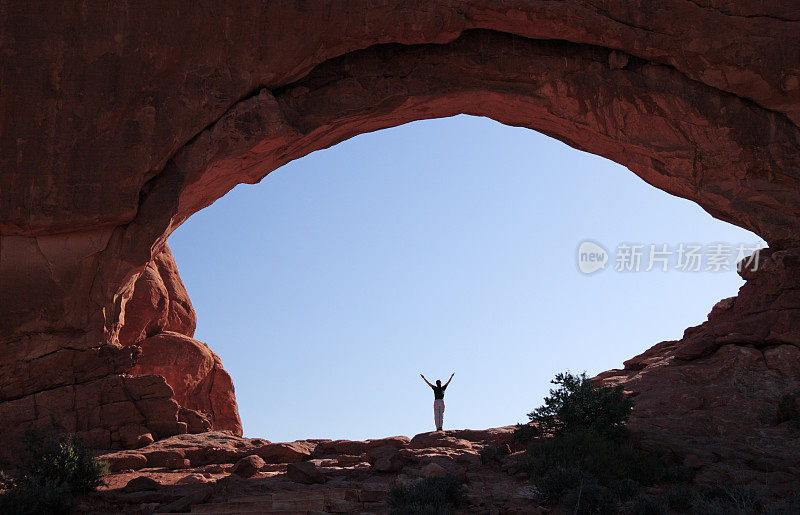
(437,246)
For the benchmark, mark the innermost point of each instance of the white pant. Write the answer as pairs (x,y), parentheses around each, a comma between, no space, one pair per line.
(438,412)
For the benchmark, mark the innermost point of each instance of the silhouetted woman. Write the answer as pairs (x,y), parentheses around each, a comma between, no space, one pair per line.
(438,400)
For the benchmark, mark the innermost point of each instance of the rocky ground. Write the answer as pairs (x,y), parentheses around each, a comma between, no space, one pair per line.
(217,472)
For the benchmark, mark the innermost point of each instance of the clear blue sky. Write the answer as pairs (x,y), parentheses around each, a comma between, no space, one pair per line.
(438,246)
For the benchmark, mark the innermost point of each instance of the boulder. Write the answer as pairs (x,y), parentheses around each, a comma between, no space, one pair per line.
(345,460)
(248,466)
(352,447)
(142,484)
(438,439)
(177,463)
(386,458)
(120,461)
(196,421)
(166,458)
(191,479)
(304,472)
(287,452)
(134,436)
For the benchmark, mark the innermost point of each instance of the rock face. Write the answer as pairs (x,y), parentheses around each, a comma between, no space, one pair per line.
(159,303)
(712,397)
(195,374)
(116,128)
(159,320)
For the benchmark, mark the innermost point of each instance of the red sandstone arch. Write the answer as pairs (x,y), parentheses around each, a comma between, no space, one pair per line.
(126,127)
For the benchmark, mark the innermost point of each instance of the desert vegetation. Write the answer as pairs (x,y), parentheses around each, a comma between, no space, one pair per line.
(427,496)
(579,456)
(53,469)
(789,410)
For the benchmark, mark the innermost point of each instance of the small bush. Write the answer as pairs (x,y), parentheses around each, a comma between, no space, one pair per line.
(727,499)
(579,453)
(579,405)
(430,496)
(788,410)
(550,487)
(490,454)
(790,506)
(595,456)
(648,505)
(680,498)
(524,433)
(29,496)
(712,493)
(624,489)
(679,474)
(745,498)
(53,470)
(578,449)
(590,498)
(62,460)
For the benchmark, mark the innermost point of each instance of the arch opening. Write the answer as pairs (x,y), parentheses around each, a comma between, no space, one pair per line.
(471,243)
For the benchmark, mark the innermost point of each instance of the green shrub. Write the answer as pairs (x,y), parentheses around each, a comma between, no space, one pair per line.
(62,460)
(702,506)
(578,449)
(595,456)
(430,496)
(624,489)
(29,496)
(490,454)
(590,498)
(679,474)
(680,498)
(727,499)
(788,410)
(53,470)
(747,498)
(789,506)
(579,405)
(525,433)
(648,505)
(550,487)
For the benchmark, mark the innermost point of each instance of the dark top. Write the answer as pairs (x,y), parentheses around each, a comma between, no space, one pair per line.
(438,391)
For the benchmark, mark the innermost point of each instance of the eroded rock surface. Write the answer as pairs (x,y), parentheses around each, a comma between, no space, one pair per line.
(157,382)
(711,398)
(159,302)
(195,374)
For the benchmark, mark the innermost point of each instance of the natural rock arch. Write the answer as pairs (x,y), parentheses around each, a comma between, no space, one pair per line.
(149,126)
